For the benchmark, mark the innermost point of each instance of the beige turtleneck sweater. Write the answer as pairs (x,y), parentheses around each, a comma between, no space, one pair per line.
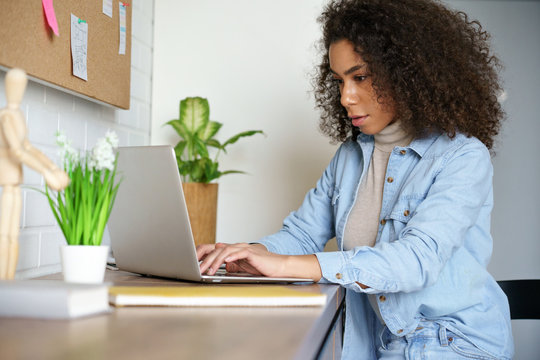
(363,222)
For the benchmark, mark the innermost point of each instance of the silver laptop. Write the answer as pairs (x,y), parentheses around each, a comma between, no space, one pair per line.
(149,223)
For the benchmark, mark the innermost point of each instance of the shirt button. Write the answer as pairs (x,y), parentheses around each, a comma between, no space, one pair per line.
(400,331)
(390,179)
(383,221)
(406,213)
(403,152)
(382,298)
(338,276)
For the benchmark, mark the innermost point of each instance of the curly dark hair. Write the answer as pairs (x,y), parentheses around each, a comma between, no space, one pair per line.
(430,62)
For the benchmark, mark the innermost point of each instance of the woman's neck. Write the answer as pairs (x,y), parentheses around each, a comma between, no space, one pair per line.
(391,136)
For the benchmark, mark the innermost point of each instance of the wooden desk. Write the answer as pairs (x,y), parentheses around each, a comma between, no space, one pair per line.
(181,333)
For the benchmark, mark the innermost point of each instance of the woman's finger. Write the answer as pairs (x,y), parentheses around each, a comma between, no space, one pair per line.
(203,250)
(219,259)
(209,261)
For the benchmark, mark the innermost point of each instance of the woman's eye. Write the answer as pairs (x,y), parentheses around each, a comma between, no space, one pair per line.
(360,78)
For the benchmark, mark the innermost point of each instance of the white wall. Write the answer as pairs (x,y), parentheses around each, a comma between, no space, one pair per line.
(48,110)
(251,60)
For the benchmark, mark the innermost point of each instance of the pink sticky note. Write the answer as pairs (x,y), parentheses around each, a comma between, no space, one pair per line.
(50,15)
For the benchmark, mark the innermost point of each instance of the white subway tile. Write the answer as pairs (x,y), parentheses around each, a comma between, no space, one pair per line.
(146,59)
(86,108)
(128,117)
(147,9)
(42,124)
(123,137)
(108,114)
(58,99)
(74,128)
(31,177)
(50,247)
(36,272)
(141,57)
(28,251)
(138,139)
(135,54)
(35,93)
(141,86)
(37,210)
(95,131)
(53,154)
(142,28)
(145,117)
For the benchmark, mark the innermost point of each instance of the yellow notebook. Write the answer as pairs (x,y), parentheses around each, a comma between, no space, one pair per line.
(267,295)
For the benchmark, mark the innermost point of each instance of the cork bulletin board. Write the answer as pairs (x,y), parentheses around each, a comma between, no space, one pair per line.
(27,42)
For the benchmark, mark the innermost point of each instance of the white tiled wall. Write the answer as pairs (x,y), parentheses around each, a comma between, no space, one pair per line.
(48,110)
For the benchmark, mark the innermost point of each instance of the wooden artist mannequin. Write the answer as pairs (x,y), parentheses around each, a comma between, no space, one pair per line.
(15,150)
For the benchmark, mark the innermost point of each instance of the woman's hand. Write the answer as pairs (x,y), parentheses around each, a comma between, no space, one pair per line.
(255,259)
(240,257)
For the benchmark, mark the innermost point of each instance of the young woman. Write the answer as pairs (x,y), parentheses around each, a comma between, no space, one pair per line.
(410,89)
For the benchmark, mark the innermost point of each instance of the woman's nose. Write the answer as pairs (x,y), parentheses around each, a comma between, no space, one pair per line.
(348,95)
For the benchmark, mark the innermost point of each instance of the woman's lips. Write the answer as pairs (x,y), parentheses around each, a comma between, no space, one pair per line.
(358,120)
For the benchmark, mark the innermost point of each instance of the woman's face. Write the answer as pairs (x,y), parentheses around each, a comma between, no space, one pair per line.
(357,93)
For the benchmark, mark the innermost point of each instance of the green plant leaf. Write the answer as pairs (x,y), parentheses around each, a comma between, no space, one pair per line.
(194,113)
(211,171)
(211,128)
(236,137)
(200,147)
(213,143)
(197,171)
(185,167)
(179,148)
(179,127)
(232,172)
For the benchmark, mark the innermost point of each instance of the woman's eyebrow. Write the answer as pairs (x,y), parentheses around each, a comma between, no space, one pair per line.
(351,70)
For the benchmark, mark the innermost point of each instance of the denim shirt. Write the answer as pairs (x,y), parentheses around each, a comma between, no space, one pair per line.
(432,249)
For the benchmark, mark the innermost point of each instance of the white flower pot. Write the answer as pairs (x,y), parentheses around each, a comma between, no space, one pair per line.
(84,263)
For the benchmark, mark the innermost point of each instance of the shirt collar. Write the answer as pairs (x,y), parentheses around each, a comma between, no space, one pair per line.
(421,145)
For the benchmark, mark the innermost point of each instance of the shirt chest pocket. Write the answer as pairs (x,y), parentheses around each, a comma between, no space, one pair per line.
(398,217)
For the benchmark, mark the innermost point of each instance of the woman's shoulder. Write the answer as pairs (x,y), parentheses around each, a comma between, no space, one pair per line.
(442,145)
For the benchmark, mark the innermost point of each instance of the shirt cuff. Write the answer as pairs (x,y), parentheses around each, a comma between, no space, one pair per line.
(336,268)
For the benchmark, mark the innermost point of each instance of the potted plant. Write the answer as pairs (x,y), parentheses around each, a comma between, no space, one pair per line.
(197,168)
(83,208)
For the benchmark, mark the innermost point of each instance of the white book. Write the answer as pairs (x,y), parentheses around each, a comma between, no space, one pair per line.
(52,299)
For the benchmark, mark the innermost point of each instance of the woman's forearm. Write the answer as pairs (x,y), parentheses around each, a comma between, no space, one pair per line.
(303,266)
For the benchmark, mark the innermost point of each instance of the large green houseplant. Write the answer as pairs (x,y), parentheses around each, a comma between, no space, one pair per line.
(196,165)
